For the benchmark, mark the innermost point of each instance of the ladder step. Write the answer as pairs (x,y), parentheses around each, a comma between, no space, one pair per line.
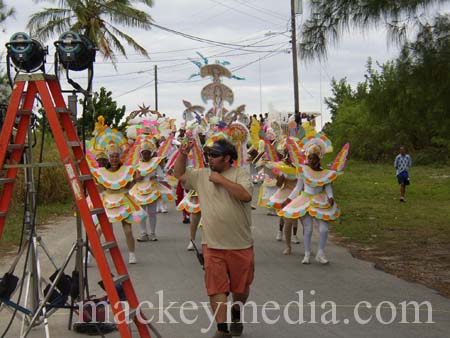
(2,214)
(62,110)
(120,279)
(13,146)
(97,211)
(109,245)
(24,112)
(85,177)
(7,180)
(73,144)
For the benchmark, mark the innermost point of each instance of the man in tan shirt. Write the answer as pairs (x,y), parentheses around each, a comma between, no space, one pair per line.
(224,193)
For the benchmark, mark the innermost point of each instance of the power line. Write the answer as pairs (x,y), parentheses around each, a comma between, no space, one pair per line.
(212,42)
(242,12)
(134,89)
(262,9)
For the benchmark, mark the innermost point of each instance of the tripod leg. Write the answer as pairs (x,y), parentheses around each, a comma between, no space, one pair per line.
(44,248)
(52,287)
(36,241)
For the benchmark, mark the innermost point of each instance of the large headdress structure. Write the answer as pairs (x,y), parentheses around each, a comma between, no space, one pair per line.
(319,145)
(216,91)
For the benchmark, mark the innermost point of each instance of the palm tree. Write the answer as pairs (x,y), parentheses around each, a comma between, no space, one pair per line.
(95,19)
(5,11)
(329,19)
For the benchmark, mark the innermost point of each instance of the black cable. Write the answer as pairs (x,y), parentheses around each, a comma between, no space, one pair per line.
(20,291)
(212,42)
(32,229)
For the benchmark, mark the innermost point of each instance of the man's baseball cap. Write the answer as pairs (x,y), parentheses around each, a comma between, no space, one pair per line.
(222,147)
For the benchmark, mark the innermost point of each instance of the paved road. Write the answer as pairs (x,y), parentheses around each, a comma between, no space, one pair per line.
(166,272)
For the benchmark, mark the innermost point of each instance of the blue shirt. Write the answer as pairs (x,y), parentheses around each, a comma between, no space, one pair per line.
(402,163)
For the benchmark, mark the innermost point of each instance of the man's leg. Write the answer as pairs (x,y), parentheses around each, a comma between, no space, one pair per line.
(219,307)
(217,285)
(241,265)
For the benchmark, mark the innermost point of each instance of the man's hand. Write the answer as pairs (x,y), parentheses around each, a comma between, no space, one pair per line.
(215,177)
(179,167)
(186,147)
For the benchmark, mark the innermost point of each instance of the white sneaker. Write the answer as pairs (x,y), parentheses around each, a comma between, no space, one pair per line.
(190,247)
(295,240)
(143,238)
(279,236)
(322,259)
(306,260)
(164,211)
(132,258)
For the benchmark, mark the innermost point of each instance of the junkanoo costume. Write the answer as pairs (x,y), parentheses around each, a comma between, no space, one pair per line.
(190,203)
(148,189)
(119,205)
(310,198)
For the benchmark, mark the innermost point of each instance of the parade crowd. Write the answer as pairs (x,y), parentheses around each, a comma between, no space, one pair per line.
(209,167)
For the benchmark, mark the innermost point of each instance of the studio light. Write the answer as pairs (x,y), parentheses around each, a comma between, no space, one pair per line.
(75,51)
(27,54)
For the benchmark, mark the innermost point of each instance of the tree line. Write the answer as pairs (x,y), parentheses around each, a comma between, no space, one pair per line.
(405,101)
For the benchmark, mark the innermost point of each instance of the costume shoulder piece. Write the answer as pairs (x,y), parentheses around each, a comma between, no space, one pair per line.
(316,178)
(114,179)
(146,168)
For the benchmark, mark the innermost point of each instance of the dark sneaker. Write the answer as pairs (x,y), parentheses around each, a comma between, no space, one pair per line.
(186,221)
(236,329)
(220,334)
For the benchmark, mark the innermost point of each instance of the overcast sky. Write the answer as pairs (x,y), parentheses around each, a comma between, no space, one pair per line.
(268,84)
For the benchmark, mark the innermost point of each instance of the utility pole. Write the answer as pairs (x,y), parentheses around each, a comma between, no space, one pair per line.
(156,88)
(294,63)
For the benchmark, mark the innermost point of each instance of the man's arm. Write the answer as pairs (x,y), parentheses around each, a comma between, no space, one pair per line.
(179,168)
(235,189)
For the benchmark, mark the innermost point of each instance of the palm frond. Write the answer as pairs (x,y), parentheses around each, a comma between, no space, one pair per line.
(129,41)
(121,13)
(50,21)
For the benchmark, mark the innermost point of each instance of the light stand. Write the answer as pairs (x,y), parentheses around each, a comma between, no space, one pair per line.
(27,56)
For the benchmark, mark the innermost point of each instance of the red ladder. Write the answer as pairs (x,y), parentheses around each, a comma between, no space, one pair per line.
(66,138)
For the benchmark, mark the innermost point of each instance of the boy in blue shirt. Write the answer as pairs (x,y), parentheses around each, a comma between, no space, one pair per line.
(402,164)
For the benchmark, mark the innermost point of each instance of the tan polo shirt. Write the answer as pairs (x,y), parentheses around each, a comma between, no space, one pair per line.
(226,220)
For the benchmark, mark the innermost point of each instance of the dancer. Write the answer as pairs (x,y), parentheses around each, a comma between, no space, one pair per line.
(146,190)
(120,207)
(313,194)
(191,205)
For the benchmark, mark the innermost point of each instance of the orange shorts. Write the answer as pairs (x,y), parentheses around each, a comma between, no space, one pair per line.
(228,270)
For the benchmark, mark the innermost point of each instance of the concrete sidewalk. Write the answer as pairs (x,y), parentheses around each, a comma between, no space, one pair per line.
(166,273)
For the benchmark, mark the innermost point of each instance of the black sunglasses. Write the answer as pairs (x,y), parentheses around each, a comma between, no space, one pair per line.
(214,155)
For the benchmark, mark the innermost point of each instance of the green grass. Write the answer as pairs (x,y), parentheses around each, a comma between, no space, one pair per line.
(372,213)
(13,227)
